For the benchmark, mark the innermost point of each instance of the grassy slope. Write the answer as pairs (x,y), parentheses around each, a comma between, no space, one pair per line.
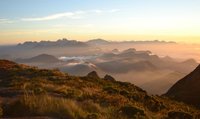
(28,91)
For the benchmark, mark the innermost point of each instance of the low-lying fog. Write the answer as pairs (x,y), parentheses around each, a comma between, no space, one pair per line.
(154,66)
(177,51)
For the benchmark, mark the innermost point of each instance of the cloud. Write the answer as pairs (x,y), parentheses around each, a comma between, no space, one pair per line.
(72,15)
(6,21)
(97,11)
(105,11)
(80,12)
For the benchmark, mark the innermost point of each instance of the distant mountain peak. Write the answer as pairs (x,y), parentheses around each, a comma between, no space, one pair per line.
(98,39)
(59,43)
(42,58)
(44,55)
(129,50)
(97,42)
(190,61)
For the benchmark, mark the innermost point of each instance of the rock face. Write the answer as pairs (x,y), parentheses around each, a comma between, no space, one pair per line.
(93,74)
(108,77)
(187,89)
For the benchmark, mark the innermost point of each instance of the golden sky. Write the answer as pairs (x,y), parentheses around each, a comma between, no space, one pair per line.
(116,20)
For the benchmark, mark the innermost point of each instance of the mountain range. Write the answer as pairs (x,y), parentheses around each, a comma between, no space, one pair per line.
(130,65)
(63,47)
(131,61)
(100,41)
(74,43)
(59,43)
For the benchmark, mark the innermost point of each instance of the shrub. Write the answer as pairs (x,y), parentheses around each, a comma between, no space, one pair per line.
(38,90)
(92,116)
(1,112)
(154,105)
(111,90)
(179,115)
(91,107)
(124,93)
(131,112)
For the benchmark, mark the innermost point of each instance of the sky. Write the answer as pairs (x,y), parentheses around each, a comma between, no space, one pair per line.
(116,20)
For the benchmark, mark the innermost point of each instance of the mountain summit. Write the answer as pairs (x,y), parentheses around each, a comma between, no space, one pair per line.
(98,42)
(46,44)
(187,89)
(42,58)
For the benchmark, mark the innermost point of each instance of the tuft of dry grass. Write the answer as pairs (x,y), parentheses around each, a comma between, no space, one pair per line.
(44,105)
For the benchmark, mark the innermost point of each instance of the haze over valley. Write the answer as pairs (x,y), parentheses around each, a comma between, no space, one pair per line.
(122,60)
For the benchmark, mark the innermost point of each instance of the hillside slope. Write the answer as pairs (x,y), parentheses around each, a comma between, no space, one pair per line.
(28,92)
(187,89)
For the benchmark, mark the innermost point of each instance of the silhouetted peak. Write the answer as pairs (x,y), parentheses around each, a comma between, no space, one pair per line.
(93,74)
(45,55)
(108,77)
(97,41)
(167,58)
(115,51)
(59,43)
(129,50)
(190,61)
(42,58)
(64,39)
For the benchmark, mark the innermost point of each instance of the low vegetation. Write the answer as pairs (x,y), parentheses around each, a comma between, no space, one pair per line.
(29,92)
